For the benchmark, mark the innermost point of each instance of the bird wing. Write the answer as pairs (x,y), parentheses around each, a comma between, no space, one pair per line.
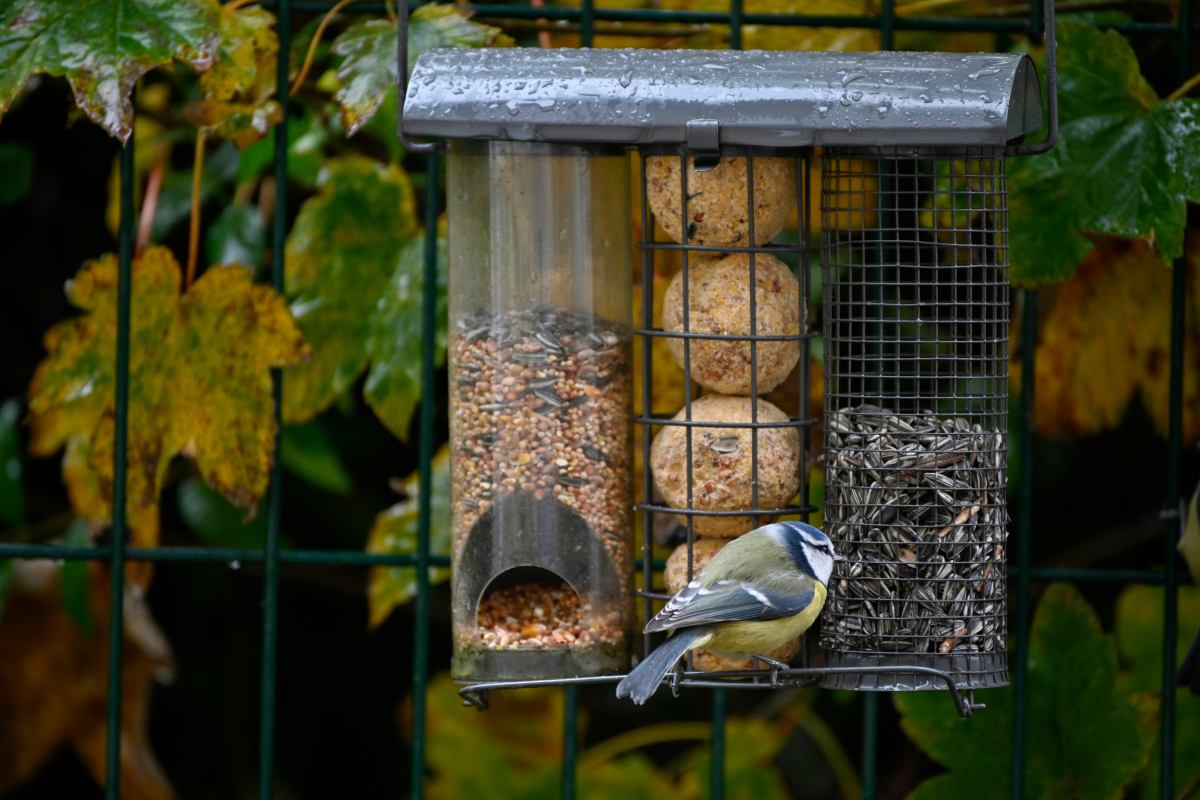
(731,600)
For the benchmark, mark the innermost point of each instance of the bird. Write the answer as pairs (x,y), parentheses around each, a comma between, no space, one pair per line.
(761,590)
(1189,546)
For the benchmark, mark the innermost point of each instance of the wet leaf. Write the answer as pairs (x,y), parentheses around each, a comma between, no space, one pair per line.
(1139,630)
(368,69)
(1089,369)
(395,532)
(217,521)
(199,384)
(237,89)
(237,236)
(53,693)
(1073,682)
(309,453)
(1126,163)
(354,281)
(16,172)
(102,47)
(394,383)
(12,496)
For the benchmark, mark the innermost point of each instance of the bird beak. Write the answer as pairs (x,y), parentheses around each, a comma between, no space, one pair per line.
(838,556)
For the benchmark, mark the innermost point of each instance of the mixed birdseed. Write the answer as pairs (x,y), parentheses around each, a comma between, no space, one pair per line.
(539,403)
(542,615)
(916,506)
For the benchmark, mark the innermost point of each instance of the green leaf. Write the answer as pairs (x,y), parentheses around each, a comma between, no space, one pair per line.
(394,383)
(1094,734)
(217,521)
(16,172)
(12,498)
(395,531)
(306,151)
(309,453)
(73,578)
(175,200)
(750,772)
(1125,164)
(102,47)
(342,253)
(237,236)
(368,70)
(1139,629)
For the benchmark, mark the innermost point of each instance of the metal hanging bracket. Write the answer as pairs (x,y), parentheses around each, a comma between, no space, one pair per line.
(1051,93)
(426,148)
(704,142)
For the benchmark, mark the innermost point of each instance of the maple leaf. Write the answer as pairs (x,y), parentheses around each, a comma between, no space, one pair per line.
(1089,367)
(239,85)
(55,693)
(1126,163)
(1073,682)
(369,69)
(102,47)
(199,369)
(355,272)
(395,531)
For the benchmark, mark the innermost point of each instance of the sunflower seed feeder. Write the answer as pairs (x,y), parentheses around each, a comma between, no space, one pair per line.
(913,249)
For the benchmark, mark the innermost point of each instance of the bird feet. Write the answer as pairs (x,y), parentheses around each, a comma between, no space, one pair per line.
(772,665)
(675,676)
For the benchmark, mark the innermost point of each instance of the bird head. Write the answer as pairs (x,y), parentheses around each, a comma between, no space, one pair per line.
(808,547)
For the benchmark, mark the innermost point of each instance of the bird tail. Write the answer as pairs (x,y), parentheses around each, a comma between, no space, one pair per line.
(644,679)
(1189,671)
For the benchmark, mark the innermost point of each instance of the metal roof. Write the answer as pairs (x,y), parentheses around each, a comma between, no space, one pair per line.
(759,98)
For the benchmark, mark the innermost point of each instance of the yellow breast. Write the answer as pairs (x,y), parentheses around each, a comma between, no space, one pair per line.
(760,638)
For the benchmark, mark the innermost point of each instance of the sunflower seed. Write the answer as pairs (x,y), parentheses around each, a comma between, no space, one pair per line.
(915,505)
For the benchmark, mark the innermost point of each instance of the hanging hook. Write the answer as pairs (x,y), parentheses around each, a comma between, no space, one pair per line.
(1051,92)
(429,148)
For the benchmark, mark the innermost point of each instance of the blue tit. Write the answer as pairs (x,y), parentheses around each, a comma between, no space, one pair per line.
(761,590)
(1189,545)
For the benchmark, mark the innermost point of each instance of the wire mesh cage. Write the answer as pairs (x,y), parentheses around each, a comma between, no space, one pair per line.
(736,317)
(916,307)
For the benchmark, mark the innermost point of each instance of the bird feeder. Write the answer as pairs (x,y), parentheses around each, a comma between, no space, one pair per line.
(914,255)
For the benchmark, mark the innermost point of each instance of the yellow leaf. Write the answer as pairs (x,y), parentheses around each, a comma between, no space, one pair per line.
(53,682)
(237,89)
(199,383)
(1107,338)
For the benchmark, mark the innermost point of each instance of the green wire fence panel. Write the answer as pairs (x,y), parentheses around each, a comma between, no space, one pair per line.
(586,19)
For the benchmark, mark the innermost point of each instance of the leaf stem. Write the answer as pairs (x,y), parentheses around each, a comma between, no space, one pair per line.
(1179,93)
(149,204)
(312,46)
(640,737)
(835,755)
(1189,790)
(194,231)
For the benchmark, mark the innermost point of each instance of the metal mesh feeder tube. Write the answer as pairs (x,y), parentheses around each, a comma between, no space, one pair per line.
(916,308)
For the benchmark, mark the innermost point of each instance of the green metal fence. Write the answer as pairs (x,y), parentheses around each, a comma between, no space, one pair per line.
(272,557)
